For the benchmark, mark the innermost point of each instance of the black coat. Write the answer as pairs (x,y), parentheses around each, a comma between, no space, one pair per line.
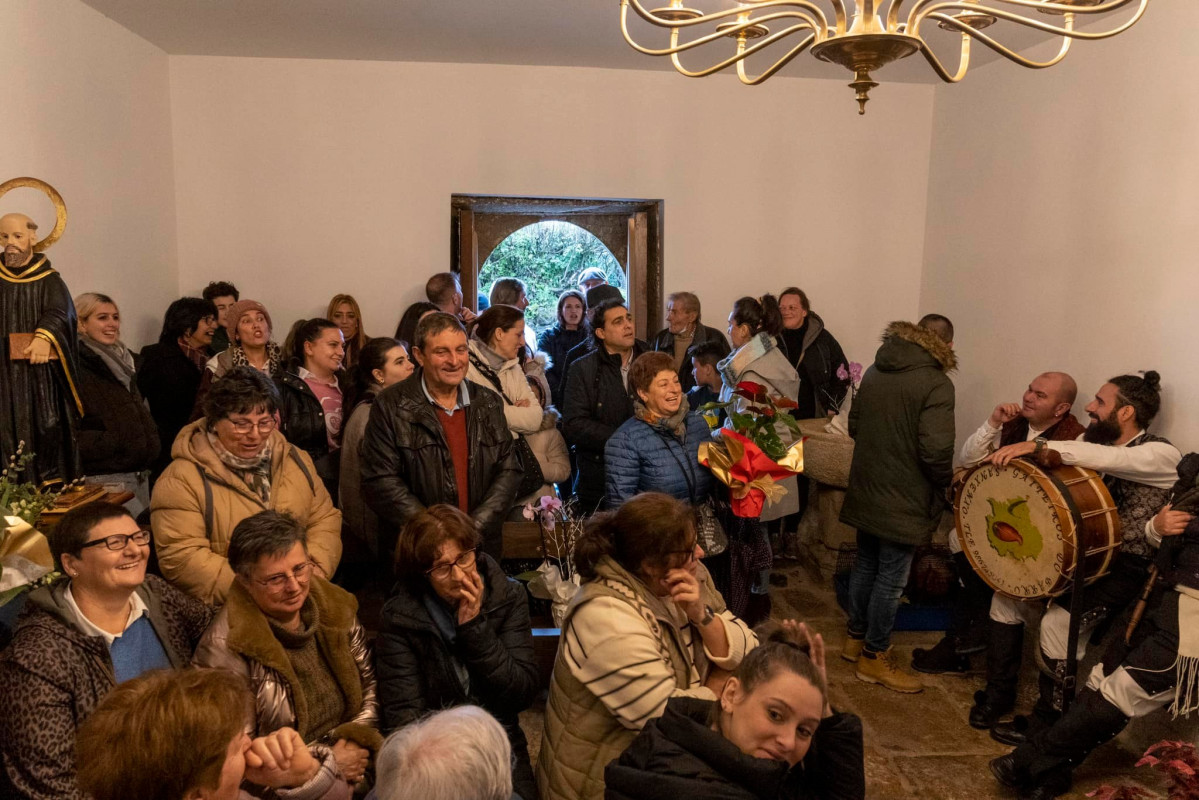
(664,342)
(414,663)
(169,381)
(678,756)
(556,343)
(594,404)
(117,433)
(406,464)
(303,423)
(816,355)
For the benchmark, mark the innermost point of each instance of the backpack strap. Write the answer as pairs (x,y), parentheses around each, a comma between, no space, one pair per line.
(207,500)
(294,456)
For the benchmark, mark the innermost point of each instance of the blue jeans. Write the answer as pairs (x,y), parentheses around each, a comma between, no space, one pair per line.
(879,576)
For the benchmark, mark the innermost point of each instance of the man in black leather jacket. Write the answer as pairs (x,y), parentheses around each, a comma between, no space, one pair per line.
(435,432)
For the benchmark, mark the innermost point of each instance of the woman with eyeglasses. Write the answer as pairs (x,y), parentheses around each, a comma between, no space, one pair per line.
(227,466)
(646,627)
(102,623)
(456,632)
(297,640)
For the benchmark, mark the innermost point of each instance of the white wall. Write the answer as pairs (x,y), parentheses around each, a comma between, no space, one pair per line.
(1063,218)
(87,109)
(301,178)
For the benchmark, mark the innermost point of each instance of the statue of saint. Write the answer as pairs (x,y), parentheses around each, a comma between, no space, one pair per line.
(39,404)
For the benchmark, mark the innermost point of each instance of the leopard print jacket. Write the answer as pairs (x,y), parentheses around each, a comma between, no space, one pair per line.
(53,675)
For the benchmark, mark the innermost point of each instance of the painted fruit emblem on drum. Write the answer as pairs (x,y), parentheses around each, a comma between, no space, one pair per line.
(1010,529)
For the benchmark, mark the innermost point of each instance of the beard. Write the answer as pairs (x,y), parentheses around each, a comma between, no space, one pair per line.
(1102,431)
(14,256)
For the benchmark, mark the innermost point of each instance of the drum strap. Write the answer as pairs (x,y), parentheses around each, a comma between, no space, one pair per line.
(1068,680)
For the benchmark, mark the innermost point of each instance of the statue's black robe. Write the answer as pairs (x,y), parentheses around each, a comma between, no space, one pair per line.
(39,404)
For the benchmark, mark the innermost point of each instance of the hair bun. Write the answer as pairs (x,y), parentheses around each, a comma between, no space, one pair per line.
(771,632)
(1152,380)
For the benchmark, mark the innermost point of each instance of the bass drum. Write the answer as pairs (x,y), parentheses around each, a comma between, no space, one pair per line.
(1020,526)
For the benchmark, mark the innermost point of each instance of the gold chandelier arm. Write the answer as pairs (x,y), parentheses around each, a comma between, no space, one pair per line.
(675,47)
(939,68)
(745,52)
(782,62)
(893,16)
(799,5)
(925,8)
(842,17)
(972,33)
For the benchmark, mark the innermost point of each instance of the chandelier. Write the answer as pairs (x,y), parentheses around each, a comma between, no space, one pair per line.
(864,40)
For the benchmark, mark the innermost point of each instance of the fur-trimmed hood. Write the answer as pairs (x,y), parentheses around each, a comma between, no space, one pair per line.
(909,346)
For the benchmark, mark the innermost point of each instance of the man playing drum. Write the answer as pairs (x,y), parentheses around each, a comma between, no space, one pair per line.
(1153,664)
(1044,412)
(1139,471)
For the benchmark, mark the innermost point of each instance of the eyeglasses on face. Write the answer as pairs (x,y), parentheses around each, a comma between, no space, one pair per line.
(118,541)
(244,427)
(463,562)
(278,582)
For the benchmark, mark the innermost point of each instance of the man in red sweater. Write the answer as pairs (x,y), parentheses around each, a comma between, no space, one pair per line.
(438,438)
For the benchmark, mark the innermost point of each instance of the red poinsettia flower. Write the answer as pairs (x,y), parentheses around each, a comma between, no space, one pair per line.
(785,402)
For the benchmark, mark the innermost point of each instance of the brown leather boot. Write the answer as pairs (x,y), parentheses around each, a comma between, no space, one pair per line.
(885,670)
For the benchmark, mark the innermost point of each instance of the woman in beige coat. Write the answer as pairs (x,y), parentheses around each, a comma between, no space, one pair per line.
(228,466)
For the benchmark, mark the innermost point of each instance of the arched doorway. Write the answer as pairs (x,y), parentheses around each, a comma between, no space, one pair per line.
(548,257)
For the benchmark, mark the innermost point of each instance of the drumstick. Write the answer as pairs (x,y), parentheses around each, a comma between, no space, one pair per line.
(1139,610)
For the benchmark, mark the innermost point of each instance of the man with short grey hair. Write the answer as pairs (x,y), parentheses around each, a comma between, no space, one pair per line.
(684,331)
(458,754)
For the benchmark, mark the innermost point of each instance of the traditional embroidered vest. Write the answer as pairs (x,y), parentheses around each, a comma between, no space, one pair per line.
(1066,429)
(1136,504)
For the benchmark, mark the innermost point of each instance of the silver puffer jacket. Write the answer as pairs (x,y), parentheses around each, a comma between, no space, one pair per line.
(240,639)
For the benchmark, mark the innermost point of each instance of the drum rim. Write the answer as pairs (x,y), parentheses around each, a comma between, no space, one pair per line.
(1073,517)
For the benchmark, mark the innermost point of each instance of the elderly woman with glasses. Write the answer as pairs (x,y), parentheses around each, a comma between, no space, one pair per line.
(227,466)
(646,627)
(104,622)
(456,632)
(297,639)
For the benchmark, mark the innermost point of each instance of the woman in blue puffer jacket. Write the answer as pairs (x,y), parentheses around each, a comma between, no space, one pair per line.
(657,449)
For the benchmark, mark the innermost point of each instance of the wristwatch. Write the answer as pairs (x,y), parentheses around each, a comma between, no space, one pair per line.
(709,615)
(1041,441)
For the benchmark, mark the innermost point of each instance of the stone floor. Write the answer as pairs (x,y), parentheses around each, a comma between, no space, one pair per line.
(920,746)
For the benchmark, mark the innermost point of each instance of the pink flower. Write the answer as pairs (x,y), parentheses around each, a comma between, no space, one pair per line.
(550,503)
(842,373)
(855,372)
(528,513)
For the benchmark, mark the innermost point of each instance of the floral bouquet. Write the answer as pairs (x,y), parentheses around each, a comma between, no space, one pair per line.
(839,424)
(752,457)
(561,526)
(25,558)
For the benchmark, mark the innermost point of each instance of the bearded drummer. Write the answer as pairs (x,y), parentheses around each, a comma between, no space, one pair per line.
(1139,470)
(1043,413)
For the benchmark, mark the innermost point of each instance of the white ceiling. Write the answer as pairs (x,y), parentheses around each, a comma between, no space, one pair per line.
(582,33)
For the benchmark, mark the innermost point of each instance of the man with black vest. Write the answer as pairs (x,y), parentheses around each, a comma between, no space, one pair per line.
(1139,469)
(1152,664)
(1044,412)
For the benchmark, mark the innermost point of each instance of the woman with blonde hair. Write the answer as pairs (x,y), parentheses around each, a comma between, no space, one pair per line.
(118,439)
(343,310)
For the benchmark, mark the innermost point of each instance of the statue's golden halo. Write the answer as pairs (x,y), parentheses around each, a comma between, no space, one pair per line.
(60,208)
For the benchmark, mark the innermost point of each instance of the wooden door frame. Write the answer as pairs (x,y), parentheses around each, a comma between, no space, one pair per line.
(642,255)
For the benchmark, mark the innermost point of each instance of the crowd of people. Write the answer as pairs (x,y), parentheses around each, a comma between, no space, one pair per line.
(209,627)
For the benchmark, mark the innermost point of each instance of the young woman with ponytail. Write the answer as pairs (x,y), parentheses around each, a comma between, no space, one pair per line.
(647,626)
(754,327)
(770,734)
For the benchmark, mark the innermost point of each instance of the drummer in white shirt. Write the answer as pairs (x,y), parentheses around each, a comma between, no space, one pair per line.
(1139,470)
(1043,412)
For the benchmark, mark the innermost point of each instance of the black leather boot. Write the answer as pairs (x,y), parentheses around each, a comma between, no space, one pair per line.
(1050,756)
(1004,649)
(943,657)
(1046,711)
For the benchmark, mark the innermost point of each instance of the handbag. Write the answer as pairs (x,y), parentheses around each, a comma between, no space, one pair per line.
(532,478)
(709,532)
